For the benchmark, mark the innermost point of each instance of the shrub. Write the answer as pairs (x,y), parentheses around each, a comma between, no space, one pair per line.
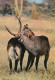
(34,13)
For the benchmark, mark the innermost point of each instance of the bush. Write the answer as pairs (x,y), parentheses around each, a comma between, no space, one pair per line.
(34,13)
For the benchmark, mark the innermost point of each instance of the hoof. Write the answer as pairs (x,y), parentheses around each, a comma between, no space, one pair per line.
(10,71)
(21,69)
(46,69)
(26,70)
(36,71)
(15,70)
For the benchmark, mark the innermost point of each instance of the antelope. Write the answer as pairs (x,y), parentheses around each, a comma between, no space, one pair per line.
(37,46)
(15,48)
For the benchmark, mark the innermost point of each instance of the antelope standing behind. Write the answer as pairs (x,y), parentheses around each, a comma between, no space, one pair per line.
(37,46)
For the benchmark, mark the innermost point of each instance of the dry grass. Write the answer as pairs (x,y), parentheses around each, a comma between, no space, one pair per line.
(40,27)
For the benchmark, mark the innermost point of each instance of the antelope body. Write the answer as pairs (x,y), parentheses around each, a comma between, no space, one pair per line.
(37,47)
(15,49)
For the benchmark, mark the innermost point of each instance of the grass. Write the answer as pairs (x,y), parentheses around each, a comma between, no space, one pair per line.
(39,27)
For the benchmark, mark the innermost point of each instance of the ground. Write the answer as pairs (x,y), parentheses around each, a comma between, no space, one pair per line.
(39,27)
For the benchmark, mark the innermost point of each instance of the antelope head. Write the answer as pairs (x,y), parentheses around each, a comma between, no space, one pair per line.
(27,31)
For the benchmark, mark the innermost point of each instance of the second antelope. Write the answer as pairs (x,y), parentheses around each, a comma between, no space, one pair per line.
(37,46)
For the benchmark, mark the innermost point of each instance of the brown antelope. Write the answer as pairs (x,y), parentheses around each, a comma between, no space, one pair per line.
(14,46)
(37,46)
(15,49)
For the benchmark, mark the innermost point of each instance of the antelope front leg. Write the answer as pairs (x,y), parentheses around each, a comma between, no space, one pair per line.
(37,60)
(29,60)
(32,61)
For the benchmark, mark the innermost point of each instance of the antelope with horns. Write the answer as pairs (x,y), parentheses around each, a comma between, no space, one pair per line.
(37,46)
(15,48)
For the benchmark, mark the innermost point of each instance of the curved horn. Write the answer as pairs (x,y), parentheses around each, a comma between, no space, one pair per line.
(19,22)
(18,11)
(10,31)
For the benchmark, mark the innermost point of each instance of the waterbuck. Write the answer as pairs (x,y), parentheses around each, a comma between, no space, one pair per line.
(37,46)
(15,48)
